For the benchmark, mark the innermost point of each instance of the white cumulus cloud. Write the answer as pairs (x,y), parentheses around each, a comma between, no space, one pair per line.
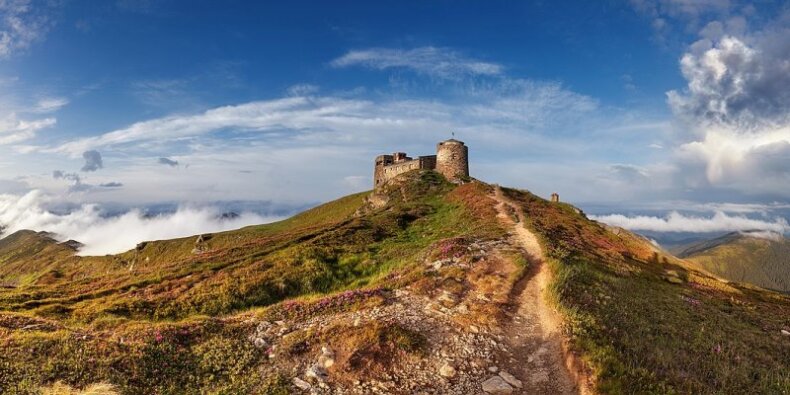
(677,222)
(742,82)
(736,106)
(102,234)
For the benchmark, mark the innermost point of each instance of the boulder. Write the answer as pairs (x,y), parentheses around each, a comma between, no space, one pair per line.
(301,384)
(497,385)
(510,379)
(316,372)
(260,342)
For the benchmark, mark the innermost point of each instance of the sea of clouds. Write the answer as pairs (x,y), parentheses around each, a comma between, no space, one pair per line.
(109,233)
(718,221)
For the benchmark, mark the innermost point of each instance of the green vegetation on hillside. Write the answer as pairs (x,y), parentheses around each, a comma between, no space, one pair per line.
(173,316)
(176,316)
(647,323)
(741,258)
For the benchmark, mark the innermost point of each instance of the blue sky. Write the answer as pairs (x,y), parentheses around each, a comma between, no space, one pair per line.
(623,107)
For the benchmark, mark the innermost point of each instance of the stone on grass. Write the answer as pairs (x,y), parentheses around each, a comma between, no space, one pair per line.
(260,343)
(316,372)
(301,384)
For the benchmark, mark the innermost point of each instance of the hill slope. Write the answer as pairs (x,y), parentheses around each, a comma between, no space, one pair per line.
(651,323)
(744,257)
(425,286)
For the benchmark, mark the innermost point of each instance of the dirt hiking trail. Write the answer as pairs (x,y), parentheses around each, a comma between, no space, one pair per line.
(533,327)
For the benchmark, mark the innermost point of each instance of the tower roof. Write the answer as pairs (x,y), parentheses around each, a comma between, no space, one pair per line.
(452,141)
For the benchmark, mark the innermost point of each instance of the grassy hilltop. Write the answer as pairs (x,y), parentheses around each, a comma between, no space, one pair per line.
(181,316)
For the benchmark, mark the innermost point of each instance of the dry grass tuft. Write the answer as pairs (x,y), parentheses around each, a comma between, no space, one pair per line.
(94,389)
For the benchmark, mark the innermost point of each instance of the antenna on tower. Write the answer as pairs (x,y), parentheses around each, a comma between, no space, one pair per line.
(453,133)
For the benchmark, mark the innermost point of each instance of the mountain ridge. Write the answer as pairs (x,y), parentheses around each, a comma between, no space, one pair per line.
(754,257)
(412,287)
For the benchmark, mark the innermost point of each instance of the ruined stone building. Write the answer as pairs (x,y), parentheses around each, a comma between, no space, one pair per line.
(451,160)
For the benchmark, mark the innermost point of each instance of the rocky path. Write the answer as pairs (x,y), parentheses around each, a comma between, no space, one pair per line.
(533,329)
(469,348)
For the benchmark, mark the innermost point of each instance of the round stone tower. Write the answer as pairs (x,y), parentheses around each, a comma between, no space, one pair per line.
(452,159)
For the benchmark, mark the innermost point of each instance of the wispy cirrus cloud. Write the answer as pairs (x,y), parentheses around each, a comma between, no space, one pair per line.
(50,104)
(14,130)
(525,106)
(691,14)
(21,119)
(430,61)
(302,89)
(528,121)
(680,8)
(21,24)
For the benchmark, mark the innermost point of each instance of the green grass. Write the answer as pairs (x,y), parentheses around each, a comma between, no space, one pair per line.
(141,320)
(164,320)
(643,334)
(765,263)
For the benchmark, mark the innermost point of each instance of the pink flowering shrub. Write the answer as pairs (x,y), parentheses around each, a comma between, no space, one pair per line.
(331,303)
(454,248)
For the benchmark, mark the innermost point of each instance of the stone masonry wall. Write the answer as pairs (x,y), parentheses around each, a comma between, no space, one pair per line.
(385,172)
(452,159)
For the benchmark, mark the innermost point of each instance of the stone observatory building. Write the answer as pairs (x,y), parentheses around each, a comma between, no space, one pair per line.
(451,160)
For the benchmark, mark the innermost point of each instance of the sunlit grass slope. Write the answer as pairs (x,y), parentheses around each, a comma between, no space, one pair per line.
(647,323)
(175,316)
(172,316)
(758,261)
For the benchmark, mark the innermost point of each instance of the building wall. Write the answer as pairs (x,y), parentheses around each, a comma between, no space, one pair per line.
(382,161)
(386,170)
(452,160)
(427,162)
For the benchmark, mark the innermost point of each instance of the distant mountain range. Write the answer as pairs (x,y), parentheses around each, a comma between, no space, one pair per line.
(757,257)
(423,286)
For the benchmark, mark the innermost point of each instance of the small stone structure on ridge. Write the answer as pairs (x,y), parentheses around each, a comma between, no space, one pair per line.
(451,160)
(555,197)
